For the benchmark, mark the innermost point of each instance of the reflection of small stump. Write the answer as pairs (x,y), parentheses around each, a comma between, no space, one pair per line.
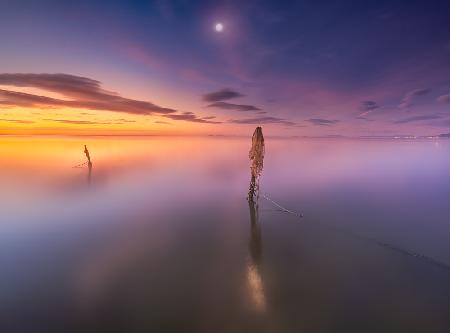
(89,172)
(255,244)
(252,191)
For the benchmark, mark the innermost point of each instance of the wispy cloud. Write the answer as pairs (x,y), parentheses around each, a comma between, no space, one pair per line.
(444,99)
(76,122)
(162,122)
(322,122)
(445,123)
(231,106)
(361,117)
(221,95)
(409,98)
(85,122)
(263,120)
(123,120)
(367,107)
(18,121)
(417,118)
(189,116)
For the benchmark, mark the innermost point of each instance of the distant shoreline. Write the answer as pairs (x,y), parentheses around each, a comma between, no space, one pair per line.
(334,137)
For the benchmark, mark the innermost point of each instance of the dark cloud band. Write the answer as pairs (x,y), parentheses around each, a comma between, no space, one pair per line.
(221,95)
(417,118)
(236,107)
(322,122)
(263,120)
(84,93)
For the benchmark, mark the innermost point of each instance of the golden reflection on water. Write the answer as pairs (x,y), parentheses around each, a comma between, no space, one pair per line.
(254,278)
(143,234)
(256,286)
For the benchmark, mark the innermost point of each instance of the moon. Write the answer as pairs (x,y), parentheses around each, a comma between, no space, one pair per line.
(218,27)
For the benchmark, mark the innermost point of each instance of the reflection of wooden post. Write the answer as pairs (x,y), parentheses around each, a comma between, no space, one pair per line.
(255,232)
(252,190)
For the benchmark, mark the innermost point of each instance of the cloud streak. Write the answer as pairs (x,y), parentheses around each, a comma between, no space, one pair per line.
(18,121)
(367,107)
(86,93)
(263,120)
(417,118)
(189,116)
(162,122)
(221,95)
(322,122)
(231,106)
(86,122)
(445,99)
(409,98)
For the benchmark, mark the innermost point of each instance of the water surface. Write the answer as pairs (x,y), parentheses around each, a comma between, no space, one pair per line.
(160,237)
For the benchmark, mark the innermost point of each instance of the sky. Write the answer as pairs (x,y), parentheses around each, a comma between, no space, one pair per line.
(314,68)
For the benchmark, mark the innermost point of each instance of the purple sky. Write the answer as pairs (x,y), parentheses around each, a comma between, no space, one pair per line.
(299,68)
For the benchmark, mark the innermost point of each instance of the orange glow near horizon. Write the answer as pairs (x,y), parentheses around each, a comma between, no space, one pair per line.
(66,121)
(48,120)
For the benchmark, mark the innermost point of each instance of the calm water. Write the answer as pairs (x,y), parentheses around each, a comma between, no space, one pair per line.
(160,237)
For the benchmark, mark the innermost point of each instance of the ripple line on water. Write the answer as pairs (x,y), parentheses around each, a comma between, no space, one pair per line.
(385,245)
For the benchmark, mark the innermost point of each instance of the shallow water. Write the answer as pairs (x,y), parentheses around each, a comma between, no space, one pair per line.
(160,237)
